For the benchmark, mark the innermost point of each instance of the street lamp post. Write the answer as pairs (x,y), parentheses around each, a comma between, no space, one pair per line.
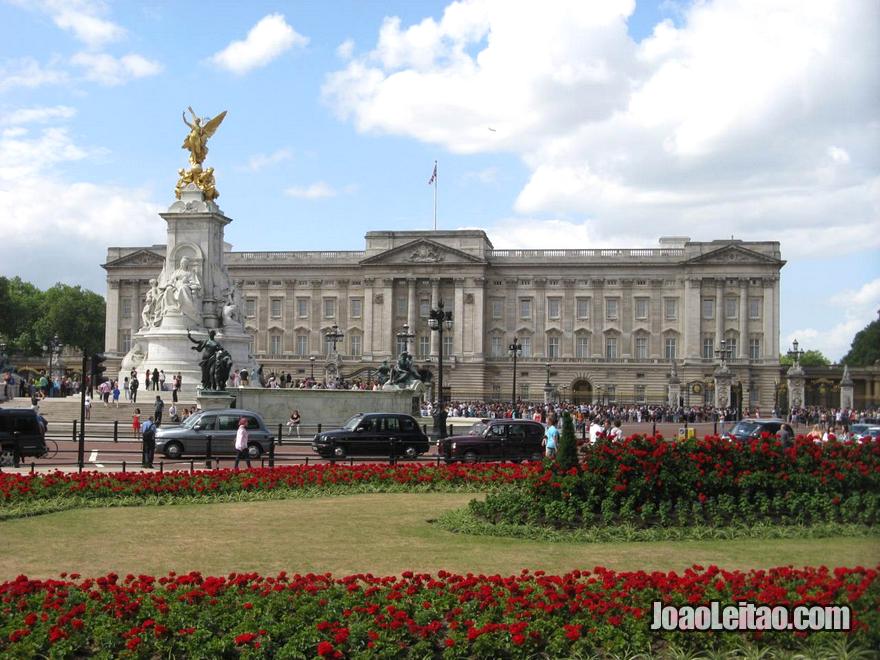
(405,336)
(548,388)
(54,348)
(312,360)
(515,350)
(438,319)
(334,336)
(795,353)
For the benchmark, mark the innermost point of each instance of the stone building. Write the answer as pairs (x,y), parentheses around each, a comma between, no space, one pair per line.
(608,322)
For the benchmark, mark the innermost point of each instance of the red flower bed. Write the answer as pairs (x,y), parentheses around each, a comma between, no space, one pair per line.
(23,487)
(413,615)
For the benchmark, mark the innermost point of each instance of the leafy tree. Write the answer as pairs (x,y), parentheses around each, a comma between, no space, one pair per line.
(865,349)
(808,359)
(566,452)
(30,317)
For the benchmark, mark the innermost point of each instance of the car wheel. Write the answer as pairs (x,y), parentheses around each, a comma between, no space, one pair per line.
(254,450)
(470,457)
(7,458)
(173,450)
(338,452)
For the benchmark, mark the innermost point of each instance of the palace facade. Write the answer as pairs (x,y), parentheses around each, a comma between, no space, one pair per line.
(608,322)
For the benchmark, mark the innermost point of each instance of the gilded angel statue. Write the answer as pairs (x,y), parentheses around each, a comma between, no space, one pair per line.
(197,140)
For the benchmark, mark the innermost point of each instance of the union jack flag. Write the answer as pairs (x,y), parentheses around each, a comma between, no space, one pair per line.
(433,175)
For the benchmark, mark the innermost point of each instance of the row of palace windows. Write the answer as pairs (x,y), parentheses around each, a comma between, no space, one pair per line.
(352,345)
(303,307)
(731,344)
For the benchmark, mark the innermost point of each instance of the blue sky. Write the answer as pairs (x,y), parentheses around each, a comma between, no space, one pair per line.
(613,122)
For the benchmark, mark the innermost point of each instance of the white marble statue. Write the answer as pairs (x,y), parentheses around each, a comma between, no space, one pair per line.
(182,293)
(232,308)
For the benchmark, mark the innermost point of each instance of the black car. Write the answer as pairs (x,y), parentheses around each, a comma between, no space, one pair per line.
(21,436)
(496,440)
(373,434)
(753,429)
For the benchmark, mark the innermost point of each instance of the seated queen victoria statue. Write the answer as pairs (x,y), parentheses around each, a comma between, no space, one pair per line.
(181,293)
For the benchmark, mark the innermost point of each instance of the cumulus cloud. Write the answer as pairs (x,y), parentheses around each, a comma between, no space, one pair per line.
(44,214)
(39,115)
(29,73)
(856,308)
(108,70)
(259,162)
(317,190)
(84,19)
(757,119)
(345,49)
(266,41)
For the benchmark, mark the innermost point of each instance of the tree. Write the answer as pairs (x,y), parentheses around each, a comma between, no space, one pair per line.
(865,349)
(566,452)
(30,317)
(808,359)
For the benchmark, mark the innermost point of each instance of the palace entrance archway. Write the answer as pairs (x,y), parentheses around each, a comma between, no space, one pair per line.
(581,392)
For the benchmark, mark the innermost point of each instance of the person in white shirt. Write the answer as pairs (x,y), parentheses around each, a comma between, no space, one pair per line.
(595,430)
(241,443)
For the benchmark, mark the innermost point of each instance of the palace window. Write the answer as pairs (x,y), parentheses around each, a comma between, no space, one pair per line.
(583,308)
(755,308)
(708,348)
(669,346)
(401,305)
(329,308)
(526,343)
(553,346)
(275,344)
(126,341)
(302,345)
(641,348)
(357,305)
(355,341)
(670,308)
(640,394)
(302,308)
(497,308)
(611,348)
(125,310)
(755,348)
(582,346)
(611,309)
(275,308)
(495,349)
(424,346)
(708,308)
(424,308)
(250,307)
(553,307)
(525,308)
(447,345)
(731,345)
(730,307)
(642,308)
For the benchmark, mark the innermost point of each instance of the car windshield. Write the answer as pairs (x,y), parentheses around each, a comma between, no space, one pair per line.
(744,428)
(190,421)
(477,429)
(352,423)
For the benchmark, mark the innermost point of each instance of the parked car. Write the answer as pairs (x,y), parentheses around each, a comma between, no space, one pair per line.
(865,431)
(496,440)
(21,436)
(191,437)
(373,434)
(753,429)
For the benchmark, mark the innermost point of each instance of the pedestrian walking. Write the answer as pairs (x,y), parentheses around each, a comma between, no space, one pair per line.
(88,407)
(155,379)
(116,393)
(293,423)
(136,423)
(551,435)
(148,435)
(241,444)
(127,388)
(158,407)
(175,389)
(161,380)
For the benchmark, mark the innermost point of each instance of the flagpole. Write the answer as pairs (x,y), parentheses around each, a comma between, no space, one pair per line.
(436,181)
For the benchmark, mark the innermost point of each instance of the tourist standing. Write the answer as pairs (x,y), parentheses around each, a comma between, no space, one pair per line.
(134,385)
(126,388)
(136,423)
(148,434)
(161,380)
(293,423)
(116,393)
(88,407)
(178,382)
(241,444)
(158,407)
(155,379)
(551,436)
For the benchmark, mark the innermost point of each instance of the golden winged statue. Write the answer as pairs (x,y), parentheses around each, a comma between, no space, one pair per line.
(197,140)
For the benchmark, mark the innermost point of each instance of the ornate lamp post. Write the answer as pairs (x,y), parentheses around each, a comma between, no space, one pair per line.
(795,353)
(515,350)
(54,348)
(795,378)
(437,320)
(312,360)
(406,336)
(548,388)
(722,376)
(334,336)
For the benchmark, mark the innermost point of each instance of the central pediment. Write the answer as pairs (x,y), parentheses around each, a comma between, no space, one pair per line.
(140,257)
(734,254)
(422,251)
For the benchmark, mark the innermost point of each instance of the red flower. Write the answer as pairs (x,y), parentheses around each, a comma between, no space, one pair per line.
(325,649)
(245,638)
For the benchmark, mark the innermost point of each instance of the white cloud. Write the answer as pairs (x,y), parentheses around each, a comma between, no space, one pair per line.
(259,162)
(318,190)
(857,309)
(758,119)
(39,115)
(29,73)
(108,70)
(43,215)
(82,18)
(486,175)
(268,39)
(345,49)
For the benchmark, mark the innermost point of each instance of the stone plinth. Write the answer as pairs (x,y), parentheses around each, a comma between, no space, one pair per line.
(795,379)
(216,400)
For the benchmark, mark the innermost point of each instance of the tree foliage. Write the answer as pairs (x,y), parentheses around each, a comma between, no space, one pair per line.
(865,349)
(30,317)
(808,359)
(566,452)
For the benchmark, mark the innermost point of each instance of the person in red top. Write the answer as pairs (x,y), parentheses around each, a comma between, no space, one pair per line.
(136,423)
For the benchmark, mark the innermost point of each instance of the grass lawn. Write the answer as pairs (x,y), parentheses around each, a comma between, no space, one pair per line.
(377,533)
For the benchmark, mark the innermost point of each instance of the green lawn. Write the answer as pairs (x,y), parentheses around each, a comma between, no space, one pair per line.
(379,534)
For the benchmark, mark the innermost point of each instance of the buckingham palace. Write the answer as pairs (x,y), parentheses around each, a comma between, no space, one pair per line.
(594,324)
